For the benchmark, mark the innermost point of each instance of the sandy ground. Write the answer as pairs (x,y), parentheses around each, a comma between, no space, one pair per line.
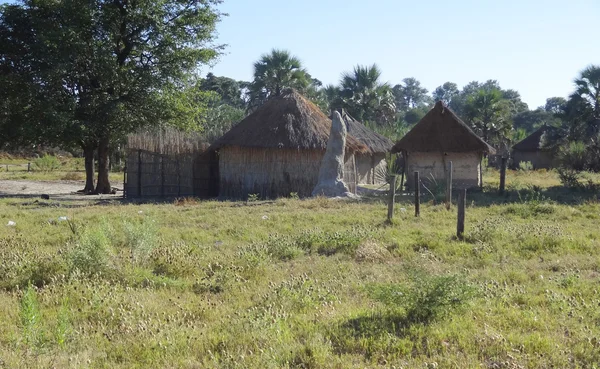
(57,189)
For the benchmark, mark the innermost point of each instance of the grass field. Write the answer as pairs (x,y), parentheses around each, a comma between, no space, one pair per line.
(67,169)
(311,283)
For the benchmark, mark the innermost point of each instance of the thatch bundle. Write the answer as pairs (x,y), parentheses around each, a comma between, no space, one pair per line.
(167,141)
(441,130)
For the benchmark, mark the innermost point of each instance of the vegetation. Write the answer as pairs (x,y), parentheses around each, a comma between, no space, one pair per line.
(305,283)
(86,73)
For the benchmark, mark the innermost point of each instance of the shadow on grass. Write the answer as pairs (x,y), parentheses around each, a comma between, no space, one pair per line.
(374,333)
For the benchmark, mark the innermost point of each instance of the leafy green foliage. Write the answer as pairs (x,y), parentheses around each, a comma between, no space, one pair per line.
(31,318)
(365,97)
(426,298)
(273,73)
(47,163)
(92,251)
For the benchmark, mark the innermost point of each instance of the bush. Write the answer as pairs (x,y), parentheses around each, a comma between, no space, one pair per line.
(141,238)
(92,251)
(426,298)
(573,156)
(525,166)
(47,163)
(569,177)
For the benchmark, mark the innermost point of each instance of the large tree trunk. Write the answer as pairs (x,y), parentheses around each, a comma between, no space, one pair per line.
(88,154)
(103,185)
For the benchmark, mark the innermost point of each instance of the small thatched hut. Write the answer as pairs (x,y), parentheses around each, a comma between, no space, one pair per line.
(371,165)
(437,139)
(530,150)
(277,150)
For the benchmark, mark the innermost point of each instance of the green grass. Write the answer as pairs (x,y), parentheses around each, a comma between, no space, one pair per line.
(310,283)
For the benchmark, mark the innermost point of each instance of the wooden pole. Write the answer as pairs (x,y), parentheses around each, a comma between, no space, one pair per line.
(449,187)
(139,184)
(392,199)
(503,176)
(162,176)
(28,167)
(460,222)
(417,195)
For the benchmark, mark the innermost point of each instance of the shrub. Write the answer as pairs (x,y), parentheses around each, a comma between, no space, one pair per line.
(569,178)
(30,318)
(92,251)
(573,155)
(141,238)
(426,298)
(525,166)
(47,163)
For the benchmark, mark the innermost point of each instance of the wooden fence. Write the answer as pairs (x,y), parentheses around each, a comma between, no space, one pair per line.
(151,174)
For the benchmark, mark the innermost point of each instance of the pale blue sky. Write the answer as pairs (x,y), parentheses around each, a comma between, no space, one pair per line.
(534,46)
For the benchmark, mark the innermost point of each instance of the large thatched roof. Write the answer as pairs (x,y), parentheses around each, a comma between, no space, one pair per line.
(533,142)
(441,130)
(288,121)
(375,143)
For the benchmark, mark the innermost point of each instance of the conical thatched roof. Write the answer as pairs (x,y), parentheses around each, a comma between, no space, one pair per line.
(288,121)
(441,130)
(533,142)
(375,143)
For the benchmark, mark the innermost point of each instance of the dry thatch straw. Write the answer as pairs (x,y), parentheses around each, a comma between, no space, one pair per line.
(289,121)
(441,130)
(375,143)
(167,141)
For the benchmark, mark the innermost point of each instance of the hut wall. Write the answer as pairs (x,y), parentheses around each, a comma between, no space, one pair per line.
(273,173)
(539,159)
(466,168)
(370,169)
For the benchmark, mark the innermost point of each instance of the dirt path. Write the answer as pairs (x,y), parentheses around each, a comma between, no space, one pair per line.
(62,189)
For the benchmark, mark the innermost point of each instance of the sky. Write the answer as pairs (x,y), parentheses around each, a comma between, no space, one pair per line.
(536,47)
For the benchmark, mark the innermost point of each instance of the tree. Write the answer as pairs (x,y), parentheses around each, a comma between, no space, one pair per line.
(365,97)
(105,66)
(530,120)
(228,89)
(410,94)
(489,115)
(555,105)
(446,93)
(588,88)
(275,72)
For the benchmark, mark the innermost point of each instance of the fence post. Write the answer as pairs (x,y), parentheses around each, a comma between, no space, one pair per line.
(162,176)
(178,179)
(460,222)
(139,184)
(28,167)
(392,199)
(417,195)
(449,187)
(502,175)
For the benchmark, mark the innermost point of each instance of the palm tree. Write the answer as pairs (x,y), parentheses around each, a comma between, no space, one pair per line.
(365,96)
(275,72)
(488,113)
(588,88)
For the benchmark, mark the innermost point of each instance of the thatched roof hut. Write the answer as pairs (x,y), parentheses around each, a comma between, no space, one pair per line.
(371,166)
(277,150)
(438,138)
(530,150)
